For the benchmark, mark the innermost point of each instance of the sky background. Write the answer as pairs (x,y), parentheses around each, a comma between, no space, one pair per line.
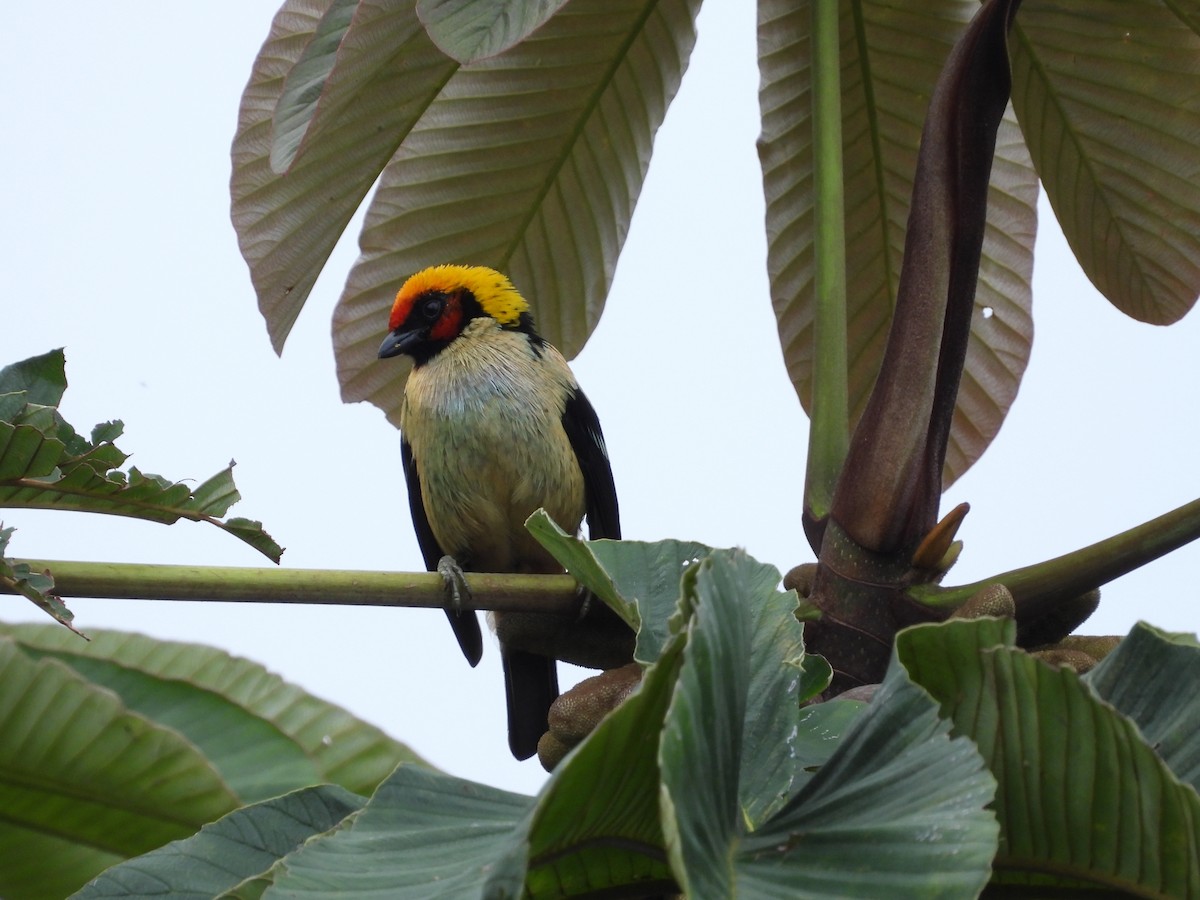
(115,243)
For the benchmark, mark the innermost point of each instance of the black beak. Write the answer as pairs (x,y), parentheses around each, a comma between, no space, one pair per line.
(399,343)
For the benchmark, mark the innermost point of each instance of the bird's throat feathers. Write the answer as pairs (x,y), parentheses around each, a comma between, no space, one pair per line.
(493,370)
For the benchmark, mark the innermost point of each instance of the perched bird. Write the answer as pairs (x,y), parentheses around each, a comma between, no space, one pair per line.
(494,426)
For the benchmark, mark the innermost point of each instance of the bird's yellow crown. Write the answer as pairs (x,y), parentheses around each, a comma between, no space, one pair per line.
(492,290)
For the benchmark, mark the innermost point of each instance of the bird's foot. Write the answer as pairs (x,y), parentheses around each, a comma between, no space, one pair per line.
(458,595)
(458,606)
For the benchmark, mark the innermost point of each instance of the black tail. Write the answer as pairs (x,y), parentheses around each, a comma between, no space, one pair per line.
(530,685)
(466,629)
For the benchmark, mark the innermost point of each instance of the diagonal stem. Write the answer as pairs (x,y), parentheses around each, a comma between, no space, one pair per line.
(1082,570)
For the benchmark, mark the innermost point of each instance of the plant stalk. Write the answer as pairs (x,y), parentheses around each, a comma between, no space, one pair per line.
(422,590)
(1082,570)
(829,433)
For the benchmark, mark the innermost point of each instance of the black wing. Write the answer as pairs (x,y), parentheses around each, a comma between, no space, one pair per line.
(587,440)
(464,623)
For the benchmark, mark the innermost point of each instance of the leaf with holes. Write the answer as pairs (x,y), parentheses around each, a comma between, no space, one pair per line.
(46,464)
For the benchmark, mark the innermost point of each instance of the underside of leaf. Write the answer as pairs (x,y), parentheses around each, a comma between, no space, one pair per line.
(1106,95)
(891,56)
(530,162)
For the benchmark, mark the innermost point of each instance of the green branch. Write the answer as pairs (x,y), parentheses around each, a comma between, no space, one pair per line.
(423,590)
(1082,570)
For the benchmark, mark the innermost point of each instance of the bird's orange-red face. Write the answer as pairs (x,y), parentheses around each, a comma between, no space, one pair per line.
(439,311)
(434,306)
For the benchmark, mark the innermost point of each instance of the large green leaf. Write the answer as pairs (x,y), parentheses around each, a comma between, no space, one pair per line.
(375,78)
(423,834)
(264,735)
(595,825)
(1084,800)
(530,162)
(85,782)
(896,810)
(1106,96)
(241,846)
(1142,678)
(891,55)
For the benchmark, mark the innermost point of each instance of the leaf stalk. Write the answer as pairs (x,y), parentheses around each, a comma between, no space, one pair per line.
(1085,569)
(829,434)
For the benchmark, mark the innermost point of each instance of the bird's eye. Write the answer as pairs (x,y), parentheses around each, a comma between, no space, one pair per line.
(432,308)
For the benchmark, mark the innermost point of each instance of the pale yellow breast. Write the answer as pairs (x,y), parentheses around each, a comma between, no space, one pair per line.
(484,418)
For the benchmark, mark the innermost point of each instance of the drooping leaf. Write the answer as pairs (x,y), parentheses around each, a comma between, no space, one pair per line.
(896,810)
(1142,678)
(891,56)
(640,580)
(37,587)
(78,487)
(202,692)
(1107,102)
(1083,800)
(471,30)
(530,162)
(382,77)
(244,844)
(251,532)
(85,782)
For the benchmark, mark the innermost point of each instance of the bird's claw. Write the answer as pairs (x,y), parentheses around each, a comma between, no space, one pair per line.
(458,595)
